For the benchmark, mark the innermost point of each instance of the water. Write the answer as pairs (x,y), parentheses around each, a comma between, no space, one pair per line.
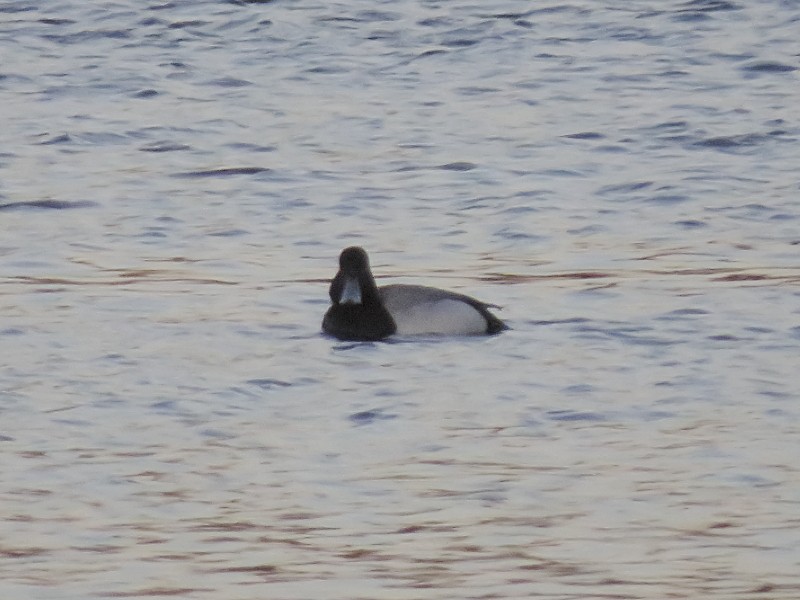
(176,181)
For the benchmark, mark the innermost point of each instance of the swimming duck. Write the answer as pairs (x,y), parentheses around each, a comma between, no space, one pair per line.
(361,310)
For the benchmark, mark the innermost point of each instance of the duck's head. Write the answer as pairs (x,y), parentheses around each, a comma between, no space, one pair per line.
(353,283)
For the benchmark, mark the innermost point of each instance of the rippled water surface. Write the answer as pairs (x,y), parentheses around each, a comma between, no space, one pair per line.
(176,182)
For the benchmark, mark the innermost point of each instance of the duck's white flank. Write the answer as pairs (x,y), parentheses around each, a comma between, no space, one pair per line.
(439,317)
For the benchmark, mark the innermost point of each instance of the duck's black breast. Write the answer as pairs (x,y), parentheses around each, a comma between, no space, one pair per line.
(358,322)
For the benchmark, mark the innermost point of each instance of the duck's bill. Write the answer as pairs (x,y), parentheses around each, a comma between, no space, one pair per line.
(351,292)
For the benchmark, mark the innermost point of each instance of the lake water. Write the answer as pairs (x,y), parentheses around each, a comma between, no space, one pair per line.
(176,182)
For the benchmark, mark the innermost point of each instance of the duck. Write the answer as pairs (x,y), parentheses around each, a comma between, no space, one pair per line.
(362,311)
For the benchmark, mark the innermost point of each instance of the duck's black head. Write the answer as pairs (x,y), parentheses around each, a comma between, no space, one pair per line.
(354,260)
(354,283)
